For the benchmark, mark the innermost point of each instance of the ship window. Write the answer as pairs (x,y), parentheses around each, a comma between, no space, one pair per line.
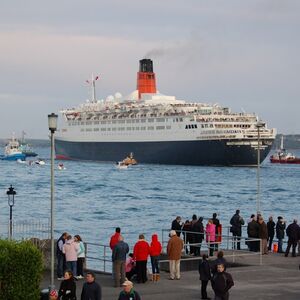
(108,129)
(96,129)
(103,129)
(143,121)
(96,122)
(143,128)
(128,128)
(128,121)
(137,121)
(88,123)
(103,122)
(137,128)
(196,126)
(181,120)
(150,127)
(168,127)
(114,129)
(160,120)
(122,128)
(150,120)
(133,128)
(114,121)
(160,127)
(186,126)
(82,123)
(88,129)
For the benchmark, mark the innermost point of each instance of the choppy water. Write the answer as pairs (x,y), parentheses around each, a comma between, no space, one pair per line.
(91,199)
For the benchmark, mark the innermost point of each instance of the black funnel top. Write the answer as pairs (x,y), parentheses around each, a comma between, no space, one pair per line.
(146,65)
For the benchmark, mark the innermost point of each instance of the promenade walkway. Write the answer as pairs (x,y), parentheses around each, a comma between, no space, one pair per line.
(277,278)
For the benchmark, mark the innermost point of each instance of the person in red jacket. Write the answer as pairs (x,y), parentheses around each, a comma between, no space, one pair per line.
(140,255)
(115,238)
(155,251)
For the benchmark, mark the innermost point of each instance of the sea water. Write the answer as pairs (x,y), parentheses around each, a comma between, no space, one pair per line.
(93,198)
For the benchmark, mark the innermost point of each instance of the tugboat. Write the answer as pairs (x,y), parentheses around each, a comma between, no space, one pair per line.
(12,151)
(284,157)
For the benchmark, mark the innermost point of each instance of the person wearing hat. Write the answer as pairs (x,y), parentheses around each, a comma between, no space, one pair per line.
(128,292)
(174,249)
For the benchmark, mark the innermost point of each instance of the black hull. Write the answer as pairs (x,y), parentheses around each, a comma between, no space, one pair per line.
(171,152)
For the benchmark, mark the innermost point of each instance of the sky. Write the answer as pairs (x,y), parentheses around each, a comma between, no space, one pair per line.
(241,54)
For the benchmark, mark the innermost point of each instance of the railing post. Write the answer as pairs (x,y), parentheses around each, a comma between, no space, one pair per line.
(162,238)
(104,267)
(260,246)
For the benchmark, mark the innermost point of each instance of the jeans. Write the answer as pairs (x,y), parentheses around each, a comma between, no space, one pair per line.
(280,245)
(72,265)
(60,265)
(154,264)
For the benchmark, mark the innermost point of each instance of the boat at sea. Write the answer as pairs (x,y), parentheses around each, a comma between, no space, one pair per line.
(283,157)
(26,148)
(160,129)
(12,151)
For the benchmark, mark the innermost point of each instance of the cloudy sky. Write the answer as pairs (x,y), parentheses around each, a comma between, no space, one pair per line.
(240,54)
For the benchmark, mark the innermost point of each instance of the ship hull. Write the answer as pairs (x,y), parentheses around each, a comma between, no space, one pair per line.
(208,152)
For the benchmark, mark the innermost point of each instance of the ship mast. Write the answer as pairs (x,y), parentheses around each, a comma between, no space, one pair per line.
(93,86)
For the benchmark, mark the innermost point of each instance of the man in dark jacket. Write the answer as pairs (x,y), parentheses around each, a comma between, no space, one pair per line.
(61,259)
(91,290)
(252,230)
(292,232)
(176,225)
(205,275)
(128,292)
(222,283)
(198,228)
(280,228)
(236,228)
(271,232)
(119,260)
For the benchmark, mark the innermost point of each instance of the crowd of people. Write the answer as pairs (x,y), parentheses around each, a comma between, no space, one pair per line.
(132,266)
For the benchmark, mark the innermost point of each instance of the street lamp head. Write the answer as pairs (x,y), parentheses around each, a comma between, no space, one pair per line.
(11,196)
(260,124)
(52,122)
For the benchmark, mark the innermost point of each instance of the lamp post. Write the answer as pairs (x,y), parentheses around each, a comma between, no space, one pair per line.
(11,202)
(52,124)
(258,125)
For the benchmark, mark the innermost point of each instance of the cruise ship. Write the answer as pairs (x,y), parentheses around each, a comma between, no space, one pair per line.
(160,129)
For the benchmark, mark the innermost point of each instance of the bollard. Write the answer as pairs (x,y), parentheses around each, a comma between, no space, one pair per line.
(275,247)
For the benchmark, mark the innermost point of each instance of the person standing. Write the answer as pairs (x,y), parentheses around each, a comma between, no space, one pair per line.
(216,222)
(80,256)
(119,259)
(221,283)
(280,228)
(176,225)
(193,235)
(210,236)
(140,255)
(271,232)
(174,249)
(198,229)
(205,275)
(67,290)
(128,292)
(155,251)
(252,231)
(219,260)
(91,290)
(60,256)
(114,239)
(70,249)
(186,231)
(236,228)
(263,235)
(292,232)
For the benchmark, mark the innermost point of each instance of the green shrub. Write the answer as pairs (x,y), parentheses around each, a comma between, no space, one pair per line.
(21,268)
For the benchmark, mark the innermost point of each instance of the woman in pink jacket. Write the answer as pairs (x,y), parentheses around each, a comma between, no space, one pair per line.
(210,236)
(70,249)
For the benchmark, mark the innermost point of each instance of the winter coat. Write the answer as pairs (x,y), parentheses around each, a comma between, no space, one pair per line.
(236,224)
(174,248)
(67,290)
(70,249)
(253,229)
(221,283)
(199,228)
(217,223)
(204,270)
(216,262)
(271,228)
(210,233)
(263,231)
(280,227)
(81,250)
(133,295)
(91,291)
(155,246)
(114,240)
(141,250)
(176,226)
(120,250)
(292,232)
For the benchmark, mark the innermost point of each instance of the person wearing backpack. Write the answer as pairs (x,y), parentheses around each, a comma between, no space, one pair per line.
(221,283)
